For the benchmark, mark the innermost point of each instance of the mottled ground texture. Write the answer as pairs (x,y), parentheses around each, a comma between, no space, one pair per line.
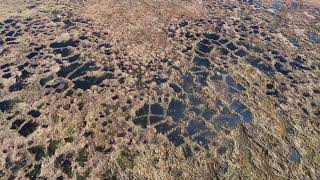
(159,89)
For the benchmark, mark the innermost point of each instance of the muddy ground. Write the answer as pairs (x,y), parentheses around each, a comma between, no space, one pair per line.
(146,89)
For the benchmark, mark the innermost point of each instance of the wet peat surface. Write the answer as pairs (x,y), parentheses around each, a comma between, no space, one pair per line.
(237,96)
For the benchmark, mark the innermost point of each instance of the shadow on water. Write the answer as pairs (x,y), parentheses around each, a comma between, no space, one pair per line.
(277,4)
(295,4)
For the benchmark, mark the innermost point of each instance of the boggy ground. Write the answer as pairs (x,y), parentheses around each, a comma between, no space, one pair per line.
(104,89)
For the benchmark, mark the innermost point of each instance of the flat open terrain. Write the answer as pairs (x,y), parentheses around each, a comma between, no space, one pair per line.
(159,89)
